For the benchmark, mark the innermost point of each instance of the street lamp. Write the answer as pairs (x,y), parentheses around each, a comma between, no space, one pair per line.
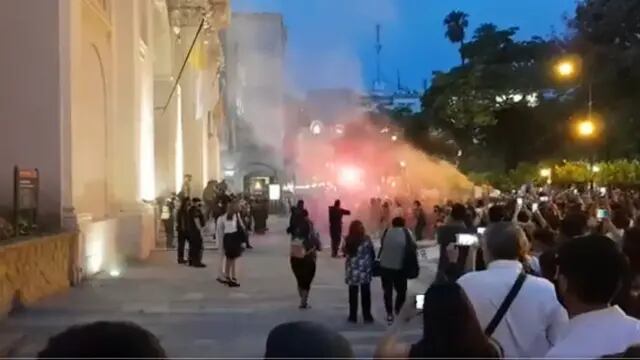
(316,127)
(569,67)
(566,68)
(546,173)
(586,128)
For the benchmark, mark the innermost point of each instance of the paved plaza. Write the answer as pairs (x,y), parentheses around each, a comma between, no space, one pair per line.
(194,316)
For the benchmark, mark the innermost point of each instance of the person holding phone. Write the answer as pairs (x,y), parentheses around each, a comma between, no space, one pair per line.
(450,329)
(504,246)
(446,236)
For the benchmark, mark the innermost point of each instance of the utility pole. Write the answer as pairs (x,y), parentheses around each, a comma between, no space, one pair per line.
(378,48)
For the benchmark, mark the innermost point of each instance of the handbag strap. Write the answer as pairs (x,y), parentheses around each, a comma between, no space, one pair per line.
(384,234)
(506,303)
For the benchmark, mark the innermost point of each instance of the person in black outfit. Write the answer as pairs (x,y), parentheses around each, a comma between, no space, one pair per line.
(335,226)
(421,220)
(260,212)
(195,224)
(304,248)
(183,226)
(296,217)
(446,235)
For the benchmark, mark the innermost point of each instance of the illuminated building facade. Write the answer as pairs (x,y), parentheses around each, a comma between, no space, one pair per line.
(92,97)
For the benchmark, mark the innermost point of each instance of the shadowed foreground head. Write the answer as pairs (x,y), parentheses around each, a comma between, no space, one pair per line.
(104,339)
(306,340)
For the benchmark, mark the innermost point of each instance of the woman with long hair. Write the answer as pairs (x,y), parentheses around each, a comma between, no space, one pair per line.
(450,329)
(304,246)
(230,229)
(360,256)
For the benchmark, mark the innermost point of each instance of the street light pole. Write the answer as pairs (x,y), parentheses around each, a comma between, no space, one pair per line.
(590,108)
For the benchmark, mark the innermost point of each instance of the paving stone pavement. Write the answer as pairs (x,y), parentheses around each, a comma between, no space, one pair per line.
(194,316)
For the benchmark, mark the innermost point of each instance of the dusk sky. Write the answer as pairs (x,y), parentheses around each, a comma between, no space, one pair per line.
(331,42)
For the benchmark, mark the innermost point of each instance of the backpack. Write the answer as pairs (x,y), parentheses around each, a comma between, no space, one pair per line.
(410,265)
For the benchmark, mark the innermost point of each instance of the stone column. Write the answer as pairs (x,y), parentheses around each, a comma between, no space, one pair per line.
(166,132)
(192,128)
(70,38)
(124,171)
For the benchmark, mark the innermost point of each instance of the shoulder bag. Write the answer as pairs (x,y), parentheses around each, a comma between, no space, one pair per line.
(410,265)
(506,303)
(375,270)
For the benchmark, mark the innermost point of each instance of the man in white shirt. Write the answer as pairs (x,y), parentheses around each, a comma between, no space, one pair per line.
(535,318)
(590,273)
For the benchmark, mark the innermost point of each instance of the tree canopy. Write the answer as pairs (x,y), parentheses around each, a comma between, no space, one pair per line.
(503,104)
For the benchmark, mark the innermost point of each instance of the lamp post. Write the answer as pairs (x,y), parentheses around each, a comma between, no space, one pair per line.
(570,68)
(586,128)
(546,173)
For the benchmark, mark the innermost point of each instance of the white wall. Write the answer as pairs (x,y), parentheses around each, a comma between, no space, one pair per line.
(92,116)
(166,136)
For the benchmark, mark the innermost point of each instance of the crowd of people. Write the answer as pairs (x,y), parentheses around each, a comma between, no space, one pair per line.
(544,272)
(219,215)
(395,262)
(538,272)
(535,273)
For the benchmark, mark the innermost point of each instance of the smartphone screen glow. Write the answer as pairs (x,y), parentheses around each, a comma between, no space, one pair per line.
(419,302)
(467,239)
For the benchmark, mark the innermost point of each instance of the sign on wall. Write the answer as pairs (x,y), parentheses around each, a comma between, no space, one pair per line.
(26,189)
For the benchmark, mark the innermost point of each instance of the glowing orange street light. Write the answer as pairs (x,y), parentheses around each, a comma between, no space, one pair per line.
(566,68)
(586,128)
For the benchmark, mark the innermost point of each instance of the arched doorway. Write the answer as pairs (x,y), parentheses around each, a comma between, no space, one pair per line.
(257,178)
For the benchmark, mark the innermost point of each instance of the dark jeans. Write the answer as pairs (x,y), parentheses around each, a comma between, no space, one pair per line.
(304,270)
(419,230)
(182,240)
(365,292)
(336,239)
(246,240)
(195,249)
(393,280)
(168,231)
